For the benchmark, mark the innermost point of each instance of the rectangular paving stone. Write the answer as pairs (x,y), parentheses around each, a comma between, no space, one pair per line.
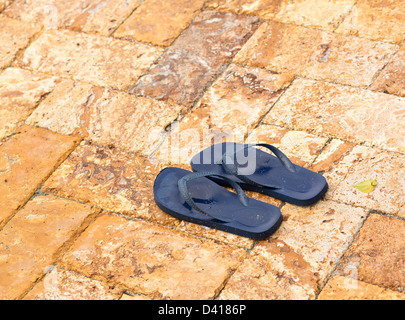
(271,271)
(90,58)
(377,254)
(122,182)
(106,116)
(159,22)
(101,16)
(310,13)
(315,54)
(233,105)
(26,160)
(343,288)
(111,179)
(20,91)
(392,78)
(328,163)
(300,147)
(14,36)
(61,284)
(197,57)
(297,259)
(31,241)
(152,260)
(364,163)
(320,234)
(377,20)
(353,114)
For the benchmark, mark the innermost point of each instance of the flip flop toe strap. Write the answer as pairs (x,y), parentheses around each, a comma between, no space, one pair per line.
(183,189)
(229,163)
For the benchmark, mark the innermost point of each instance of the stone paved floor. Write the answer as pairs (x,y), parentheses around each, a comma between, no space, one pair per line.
(97,96)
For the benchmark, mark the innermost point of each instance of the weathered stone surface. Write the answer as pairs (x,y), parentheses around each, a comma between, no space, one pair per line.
(311,13)
(159,22)
(90,58)
(343,288)
(377,256)
(101,16)
(61,284)
(4,4)
(377,20)
(364,164)
(133,297)
(122,182)
(272,271)
(299,146)
(111,179)
(26,160)
(353,114)
(152,260)
(20,91)
(197,57)
(14,36)
(105,116)
(330,163)
(233,106)
(392,78)
(320,233)
(344,165)
(30,242)
(299,256)
(315,54)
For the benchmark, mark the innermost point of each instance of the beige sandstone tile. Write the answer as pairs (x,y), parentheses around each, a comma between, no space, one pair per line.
(152,260)
(26,160)
(61,284)
(295,260)
(14,36)
(377,254)
(312,13)
(159,22)
(101,16)
(4,4)
(315,13)
(197,57)
(331,163)
(261,8)
(20,91)
(271,271)
(33,238)
(301,147)
(105,116)
(99,60)
(392,78)
(377,20)
(344,165)
(122,182)
(365,163)
(342,288)
(315,54)
(353,114)
(111,179)
(234,105)
(133,297)
(320,233)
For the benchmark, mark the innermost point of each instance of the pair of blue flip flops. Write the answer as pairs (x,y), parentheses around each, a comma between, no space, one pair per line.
(199,197)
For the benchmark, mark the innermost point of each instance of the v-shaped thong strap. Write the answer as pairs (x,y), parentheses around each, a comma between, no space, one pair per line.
(183,189)
(228,161)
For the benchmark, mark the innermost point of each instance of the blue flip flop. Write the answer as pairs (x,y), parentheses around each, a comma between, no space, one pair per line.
(259,171)
(195,198)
